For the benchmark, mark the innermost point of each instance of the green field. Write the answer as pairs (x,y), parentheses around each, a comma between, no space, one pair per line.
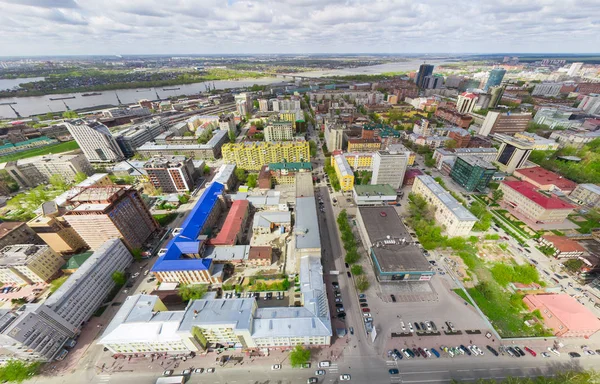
(55,148)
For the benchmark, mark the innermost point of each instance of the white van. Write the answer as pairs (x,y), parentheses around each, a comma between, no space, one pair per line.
(324,364)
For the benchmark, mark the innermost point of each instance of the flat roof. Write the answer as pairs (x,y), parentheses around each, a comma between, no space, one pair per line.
(529,191)
(591,187)
(304,185)
(224,173)
(374,190)
(267,218)
(391,243)
(218,312)
(477,162)
(343,165)
(542,176)
(20,254)
(307,223)
(446,198)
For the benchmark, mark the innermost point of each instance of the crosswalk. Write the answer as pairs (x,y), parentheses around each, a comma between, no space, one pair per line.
(391,363)
(333,368)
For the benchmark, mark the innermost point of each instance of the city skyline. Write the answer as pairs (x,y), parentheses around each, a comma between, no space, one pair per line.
(70,27)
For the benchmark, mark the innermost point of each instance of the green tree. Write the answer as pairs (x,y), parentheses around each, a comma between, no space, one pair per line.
(256,104)
(450,144)
(18,371)
(241,175)
(252,180)
(70,115)
(119,278)
(232,136)
(48,116)
(58,182)
(497,195)
(299,356)
(206,170)
(357,270)
(192,291)
(313,148)
(80,176)
(137,254)
(362,283)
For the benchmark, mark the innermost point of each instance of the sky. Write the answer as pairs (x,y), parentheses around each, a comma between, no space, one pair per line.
(111,27)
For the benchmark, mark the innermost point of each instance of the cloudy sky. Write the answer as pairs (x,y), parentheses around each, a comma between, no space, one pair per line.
(54,27)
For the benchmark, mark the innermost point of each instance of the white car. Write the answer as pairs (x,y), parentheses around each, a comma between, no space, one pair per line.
(367,314)
(428,326)
(345,377)
(554,350)
(427,352)
(476,348)
(473,350)
(406,353)
(402,326)
(275,367)
(410,328)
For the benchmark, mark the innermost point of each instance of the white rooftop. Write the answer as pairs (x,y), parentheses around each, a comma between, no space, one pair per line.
(446,198)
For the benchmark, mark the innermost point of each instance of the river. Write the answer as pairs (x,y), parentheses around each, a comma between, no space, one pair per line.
(36,105)
(11,83)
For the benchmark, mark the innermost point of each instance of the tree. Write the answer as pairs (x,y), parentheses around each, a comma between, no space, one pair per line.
(58,182)
(362,283)
(18,371)
(497,195)
(299,356)
(450,144)
(49,116)
(252,180)
(241,175)
(192,292)
(70,115)
(313,148)
(80,176)
(256,104)
(119,278)
(357,270)
(206,170)
(232,136)
(137,254)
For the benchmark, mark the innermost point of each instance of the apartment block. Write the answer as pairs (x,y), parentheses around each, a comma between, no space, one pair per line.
(507,123)
(14,232)
(279,131)
(547,89)
(100,214)
(33,171)
(227,123)
(95,140)
(344,172)
(171,174)
(210,150)
(523,197)
(334,136)
(456,219)
(590,104)
(389,168)
(454,117)
(588,194)
(359,161)
(466,102)
(472,173)
(556,118)
(572,138)
(28,264)
(285,173)
(225,175)
(137,135)
(539,143)
(364,145)
(513,152)
(252,156)
(55,231)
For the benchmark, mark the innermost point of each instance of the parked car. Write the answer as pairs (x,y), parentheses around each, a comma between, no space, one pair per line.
(345,377)
(393,298)
(394,371)
(198,370)
(168,372)
(366,310)
(275,367)
(531,351)
(351,330)
(417,327)
(520,351)
(312,380)
(465,349)
(339,305)
(554,350)
(422,352)
(320,372)
(435,352)
(362,300)
(433,326)
(574,355)
(349,274)
(364,305)
(491,349)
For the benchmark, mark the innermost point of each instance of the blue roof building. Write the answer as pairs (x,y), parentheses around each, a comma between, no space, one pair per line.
(183,253)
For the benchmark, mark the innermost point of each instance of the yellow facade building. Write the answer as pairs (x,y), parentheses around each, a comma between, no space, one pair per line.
(252,156)
(28,264)
(364,145)
(344,172)
(360,161)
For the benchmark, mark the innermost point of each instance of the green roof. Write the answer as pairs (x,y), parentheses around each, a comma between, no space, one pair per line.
(375,189)
(290,166)
(77,261)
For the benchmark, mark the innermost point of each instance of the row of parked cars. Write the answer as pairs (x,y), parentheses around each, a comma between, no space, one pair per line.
(423,326)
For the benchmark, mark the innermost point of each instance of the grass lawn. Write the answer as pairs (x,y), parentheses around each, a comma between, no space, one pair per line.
(463,295)
(585,226)
(500,215)
(55,148)
(165,219)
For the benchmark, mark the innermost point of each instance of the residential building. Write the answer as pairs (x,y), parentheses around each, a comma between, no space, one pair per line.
(564,315)
(395,255)
(456,219)
(364,145)
(95,140)
(285,173)
(495,78)
(210,150)
(556,118)
(433,82)
(424,70)
(359,161)
(100,214)
(263,105)
(137,135)
(227,123)
(180,261)
(462,137)
(574,69)
(547,89)
(539,143)
(453,117)
(279,131)
(496,94)
(343,171)
(508,123)
(28,264)
(563,246)
(55,231)
(466,102)
(523,198)
(545,180)
(266,222)
(33,171)
(39,331)
(243,102)
(397,148)
(198,121)
(233,229)
(588,194)
(389,168)
(572,138)
(252,156)
(171,174)
(472,173)
(225,175)
(334,136)
(422,127)
(374,194)
(513,153)
(590,104)
(260,256)
(14,232)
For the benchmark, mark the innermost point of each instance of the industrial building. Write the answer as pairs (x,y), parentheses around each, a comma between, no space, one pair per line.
(394,253)
(28,264)
(172,174)
(472,173)
(252,156)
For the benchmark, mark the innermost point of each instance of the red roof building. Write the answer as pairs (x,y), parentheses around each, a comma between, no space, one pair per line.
(523,198)
(564,315)
(233,227)
(260,256)
(565,247)
(545,180)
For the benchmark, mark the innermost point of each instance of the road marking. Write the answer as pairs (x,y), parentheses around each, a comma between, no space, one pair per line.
(480,369)
(496,369)
(418,373)
(428,381)
(463,370)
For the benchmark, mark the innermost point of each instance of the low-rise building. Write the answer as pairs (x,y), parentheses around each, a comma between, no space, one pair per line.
(556,118)
(136,135)
(270,221)
(225,175)
(454,117)
(564,247)
(344,172)
(564,315)
(285,173)
(374,194)
(539,143)
(547,89)
(572,138)
(472,173)
(442,155)
(28,264)
(359,161)
(456,219)
(545,180)
(522,197)
(260,256)
(232,231)
(588,194)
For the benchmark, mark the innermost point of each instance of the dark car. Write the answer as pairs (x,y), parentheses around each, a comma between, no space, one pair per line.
(574,354)
(348,273)
(362,300)
(398,354)
(520,351)
(347,265)
(335,284)
(393,298)
(415,352)
(423,326)
(352,330)
(492,350)
(394,371)
(364,305)
(513,351)
(422,352)
(341,315)
(410,352)
(467,350)
(433,325)
(417,326)
(339,305)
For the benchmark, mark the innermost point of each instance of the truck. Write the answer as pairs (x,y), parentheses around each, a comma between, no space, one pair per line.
(171,380)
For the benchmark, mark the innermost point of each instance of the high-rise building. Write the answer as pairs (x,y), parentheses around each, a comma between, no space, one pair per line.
(466,102)
(28,264)
(496,93)
(547,89)
(252,156)
(508,123)
(334,136)
(513,152)
(433,82)
(574,69)
(389,168)
(495,78)
(243,103)
(472,173)
(14,232)
(424,71)
(263,105)
(51,226)
(279,131)
(100,214)
(171,174)
(227,123)
(137,135)
(95,140)
(37,170)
